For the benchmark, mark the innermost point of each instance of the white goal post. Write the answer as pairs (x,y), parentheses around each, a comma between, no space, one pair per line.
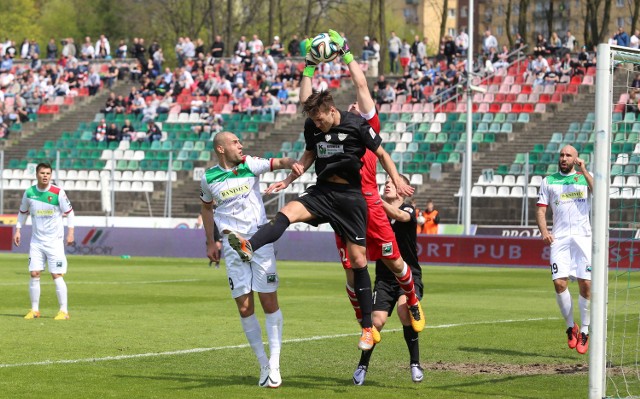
(612,61)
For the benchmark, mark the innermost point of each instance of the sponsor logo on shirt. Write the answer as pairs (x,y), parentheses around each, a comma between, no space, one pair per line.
(44,212)
(235,191)
(387,249)
(570,196)
(325,150)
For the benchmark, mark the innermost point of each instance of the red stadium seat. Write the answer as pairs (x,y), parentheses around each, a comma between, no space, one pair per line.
(526,89)
(528,108)
(516,108)
(556,98)
(544,98)
(572,89)
(576,80)
(561,89)
(494,108)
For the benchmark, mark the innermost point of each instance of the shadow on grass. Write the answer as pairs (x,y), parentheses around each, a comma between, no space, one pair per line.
(16,315)
(503,394)
(337,385)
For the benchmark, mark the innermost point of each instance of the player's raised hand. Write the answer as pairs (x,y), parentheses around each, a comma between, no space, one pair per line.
(297,169)
(338,39)
(277,187)
(309,63)
(16,238)
(579,163)
(404,189)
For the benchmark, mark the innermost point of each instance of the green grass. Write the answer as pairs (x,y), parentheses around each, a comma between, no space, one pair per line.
(491,333)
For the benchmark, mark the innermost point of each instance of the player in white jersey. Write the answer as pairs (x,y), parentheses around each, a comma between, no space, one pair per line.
(233,186)
(567,192)
(47,204)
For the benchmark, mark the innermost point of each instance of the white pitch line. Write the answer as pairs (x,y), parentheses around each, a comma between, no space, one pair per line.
(287,341)
(71,282)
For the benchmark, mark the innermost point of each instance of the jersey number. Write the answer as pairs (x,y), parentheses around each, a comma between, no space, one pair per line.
(554,268)
(230,283)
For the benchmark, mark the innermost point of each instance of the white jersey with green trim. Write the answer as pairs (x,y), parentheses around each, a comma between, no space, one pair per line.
(46,208)
(236,194)
(568,196)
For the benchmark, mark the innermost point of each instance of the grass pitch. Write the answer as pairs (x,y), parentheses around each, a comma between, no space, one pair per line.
(168,328)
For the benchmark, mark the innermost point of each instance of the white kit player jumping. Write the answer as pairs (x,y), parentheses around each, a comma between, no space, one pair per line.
(233,186)
(46,203)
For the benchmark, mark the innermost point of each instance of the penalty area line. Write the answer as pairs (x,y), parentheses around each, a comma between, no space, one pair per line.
(71,282)
(287,341)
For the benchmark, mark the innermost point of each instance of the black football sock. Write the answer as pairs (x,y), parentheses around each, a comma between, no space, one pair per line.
(365,356)
(270,232)
(362,287)
(411,338)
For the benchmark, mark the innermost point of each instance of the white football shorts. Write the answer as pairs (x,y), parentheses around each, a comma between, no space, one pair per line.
(571,257)
(47,254)
(257,275)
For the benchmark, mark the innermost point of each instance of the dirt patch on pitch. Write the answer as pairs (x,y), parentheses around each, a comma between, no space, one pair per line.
(507,369)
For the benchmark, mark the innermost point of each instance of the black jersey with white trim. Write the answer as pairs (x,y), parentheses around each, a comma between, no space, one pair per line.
(406,238)
(338,151)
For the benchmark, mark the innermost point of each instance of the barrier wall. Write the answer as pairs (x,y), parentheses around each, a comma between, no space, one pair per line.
(317,246)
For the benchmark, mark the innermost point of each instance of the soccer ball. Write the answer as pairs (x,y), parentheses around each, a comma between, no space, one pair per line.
(323,49)
(421,220)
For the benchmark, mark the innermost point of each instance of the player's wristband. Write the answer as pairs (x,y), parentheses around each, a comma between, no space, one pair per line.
(309,70)
(345,51)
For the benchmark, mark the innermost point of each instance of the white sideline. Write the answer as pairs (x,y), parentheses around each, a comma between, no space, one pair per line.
(190,280)
(293,340)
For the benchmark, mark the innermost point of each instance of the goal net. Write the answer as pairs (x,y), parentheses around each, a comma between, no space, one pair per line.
(614,353)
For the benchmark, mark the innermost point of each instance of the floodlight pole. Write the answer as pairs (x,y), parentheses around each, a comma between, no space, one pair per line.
(466,214)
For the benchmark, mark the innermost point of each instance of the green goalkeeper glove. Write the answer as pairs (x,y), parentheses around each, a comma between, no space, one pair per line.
(309,63)
(343,47)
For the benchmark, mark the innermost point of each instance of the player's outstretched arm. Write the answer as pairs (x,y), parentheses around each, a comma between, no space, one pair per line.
(306,84)
(395,213)
(365,102)
(297,170)
(389,166)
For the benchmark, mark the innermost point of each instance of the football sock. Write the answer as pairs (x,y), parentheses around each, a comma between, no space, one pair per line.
(585,316)
(273,325)
(270,232)
(354,302)
(411,338)
(61,293)
(405,279)
(566,306)
(252,330)
(362,285)
(34,293)
(365,356)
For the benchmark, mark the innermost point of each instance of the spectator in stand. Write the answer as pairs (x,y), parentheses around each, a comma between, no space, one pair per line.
(112,74)
(110,104)
(519,42)
(621,38)
(294,46)
(121,51)
(634,41)
(570,43)
(405,56)
(461,43)
(102,48)
(540,65)
(568,65)
(276,50)
(112,134)
(555,44)
(217,48)
(431,219)
(24,49)
(551,78)
(585,58)
(488,42)
(449,49)
(541,47)
(100,132)
(93,83)
(244,104)
(387,95)
(272,105)
(52,49)
(127,132)
(501,59)
(33,100)
(165,103)
(414,45)
(367,49)
(137,104)
(417,95)
(149,113)
(120,106)
(7,63)
(87,51)
(395,44)
(36,63)
(255,46)
(153,132)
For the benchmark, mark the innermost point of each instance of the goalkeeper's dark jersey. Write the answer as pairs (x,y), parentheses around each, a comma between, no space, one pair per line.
(338,151)
(406,238)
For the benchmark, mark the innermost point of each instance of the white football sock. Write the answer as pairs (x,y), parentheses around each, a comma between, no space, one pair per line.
(585,315)
(61,292)
(274,332)
(566,306)
(252,330)
(34,293)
